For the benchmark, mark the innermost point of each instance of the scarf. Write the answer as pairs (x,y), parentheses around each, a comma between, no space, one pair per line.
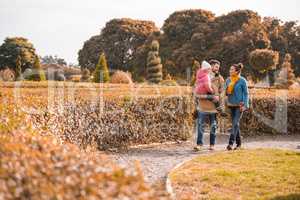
(233,80)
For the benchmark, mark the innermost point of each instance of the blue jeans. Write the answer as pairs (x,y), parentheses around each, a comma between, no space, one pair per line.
(200,127)
(235,135)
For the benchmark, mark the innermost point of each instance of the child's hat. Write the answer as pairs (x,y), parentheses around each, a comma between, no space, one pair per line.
(205,65)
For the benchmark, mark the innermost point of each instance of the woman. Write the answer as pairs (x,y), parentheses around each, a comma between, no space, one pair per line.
(236,88)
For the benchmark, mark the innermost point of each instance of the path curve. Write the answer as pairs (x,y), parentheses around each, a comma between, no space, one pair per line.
(158,160)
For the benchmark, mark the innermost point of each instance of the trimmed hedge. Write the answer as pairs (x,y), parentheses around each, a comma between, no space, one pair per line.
(120,122)
(272,115)
(116,123)
(38,167)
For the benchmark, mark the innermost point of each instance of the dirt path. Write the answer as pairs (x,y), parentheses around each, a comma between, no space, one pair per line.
(157,160)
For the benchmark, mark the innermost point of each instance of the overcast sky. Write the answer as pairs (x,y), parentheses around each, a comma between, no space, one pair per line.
(60,27)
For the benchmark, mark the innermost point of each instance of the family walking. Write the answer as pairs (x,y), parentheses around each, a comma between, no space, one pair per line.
(213,94)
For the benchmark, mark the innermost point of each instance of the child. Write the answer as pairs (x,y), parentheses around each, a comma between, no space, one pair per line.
(203,82)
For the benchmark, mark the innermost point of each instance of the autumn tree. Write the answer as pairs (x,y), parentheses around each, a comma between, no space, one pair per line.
(101,73)
(17,49)
(264,60)
(88,56)
(285,38)
(184,39)
(190,35)
(228,38)
(120,40)
(235,35)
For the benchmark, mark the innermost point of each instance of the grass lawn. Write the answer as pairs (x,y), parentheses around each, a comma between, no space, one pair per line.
(245,174)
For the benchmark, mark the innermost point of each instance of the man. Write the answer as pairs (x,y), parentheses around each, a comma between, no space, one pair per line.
(206,107)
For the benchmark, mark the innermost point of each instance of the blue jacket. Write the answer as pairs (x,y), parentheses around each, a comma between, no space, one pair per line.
(240,92)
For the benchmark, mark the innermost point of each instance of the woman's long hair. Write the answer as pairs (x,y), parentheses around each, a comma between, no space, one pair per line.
(238,67)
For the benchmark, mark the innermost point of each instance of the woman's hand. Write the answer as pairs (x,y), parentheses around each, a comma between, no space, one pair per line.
(242,107)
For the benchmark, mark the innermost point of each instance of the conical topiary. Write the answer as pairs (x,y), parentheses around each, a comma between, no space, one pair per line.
(286,76)
(40,72)
(101,73)
(154,66)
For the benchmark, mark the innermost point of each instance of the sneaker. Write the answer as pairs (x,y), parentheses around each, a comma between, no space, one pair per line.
(198,148)
(238,148)
(211,147)
(229,147)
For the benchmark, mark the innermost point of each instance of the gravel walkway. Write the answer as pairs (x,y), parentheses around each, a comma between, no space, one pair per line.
(157,160)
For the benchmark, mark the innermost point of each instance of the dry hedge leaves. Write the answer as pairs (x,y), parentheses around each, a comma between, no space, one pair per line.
(34,165)
(272,113)
(38,167)
(119,122)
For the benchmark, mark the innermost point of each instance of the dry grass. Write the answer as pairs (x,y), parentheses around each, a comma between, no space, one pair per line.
(35,93)
(245,174)
(88,90)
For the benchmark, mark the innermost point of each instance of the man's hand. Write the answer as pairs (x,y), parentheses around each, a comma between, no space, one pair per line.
(216,98)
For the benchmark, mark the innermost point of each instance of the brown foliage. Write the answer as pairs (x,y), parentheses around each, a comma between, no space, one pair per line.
(120,122)
(7,75)
(260,119)
(264,59)
(198,34)
(121,77)
(38,167)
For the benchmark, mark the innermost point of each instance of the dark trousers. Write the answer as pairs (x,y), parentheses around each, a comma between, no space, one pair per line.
(235,135)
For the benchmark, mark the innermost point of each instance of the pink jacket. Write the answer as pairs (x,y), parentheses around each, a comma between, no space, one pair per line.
(203,82)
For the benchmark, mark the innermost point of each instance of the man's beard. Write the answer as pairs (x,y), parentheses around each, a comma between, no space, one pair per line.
(216,73)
